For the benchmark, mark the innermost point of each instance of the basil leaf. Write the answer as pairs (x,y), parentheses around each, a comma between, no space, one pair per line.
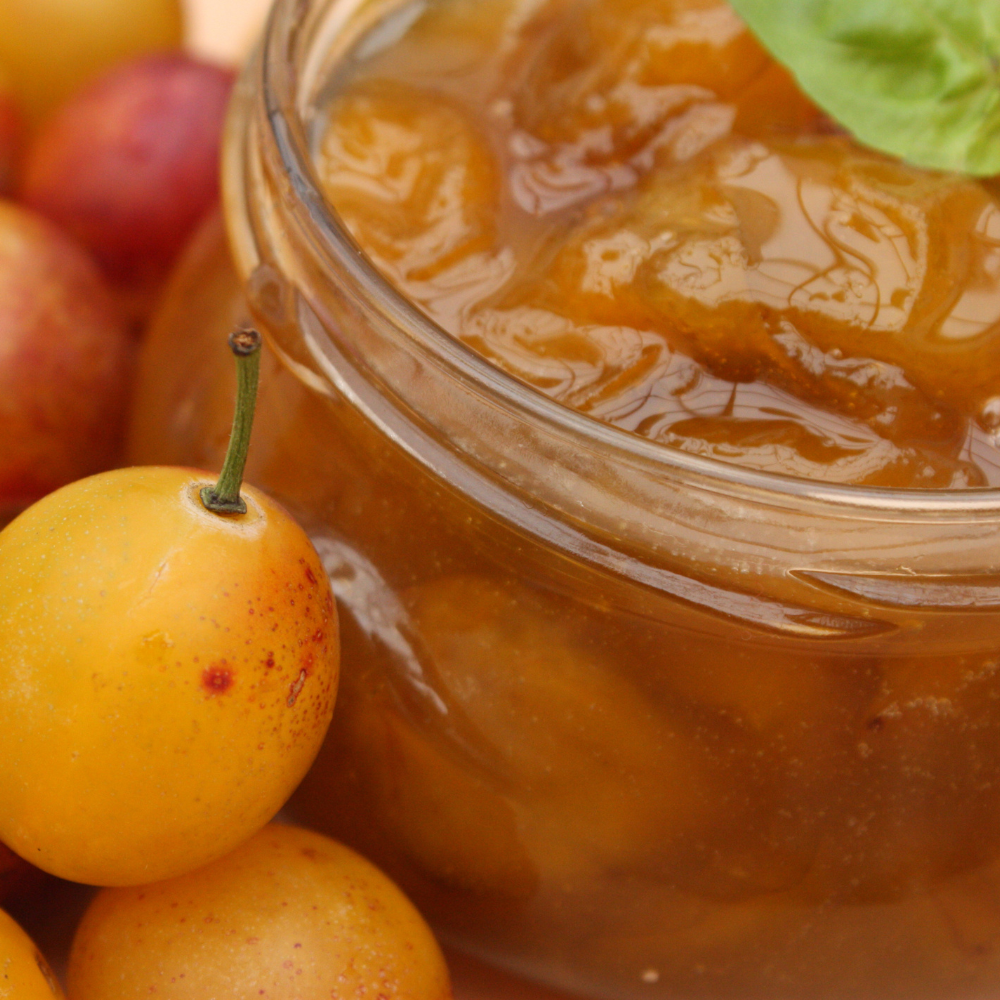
(916,78)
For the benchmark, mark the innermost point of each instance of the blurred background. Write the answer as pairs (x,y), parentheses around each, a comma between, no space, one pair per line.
(223,30)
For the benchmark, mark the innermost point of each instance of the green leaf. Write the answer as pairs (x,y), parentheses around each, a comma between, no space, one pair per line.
(916,78)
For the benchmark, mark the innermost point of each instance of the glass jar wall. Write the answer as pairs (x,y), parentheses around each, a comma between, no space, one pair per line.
(623,719)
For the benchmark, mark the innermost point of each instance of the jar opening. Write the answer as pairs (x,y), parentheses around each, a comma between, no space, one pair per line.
(303,41)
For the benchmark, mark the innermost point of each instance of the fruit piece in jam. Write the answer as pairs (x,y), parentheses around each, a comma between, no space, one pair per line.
(616,89)
(800,301)
(418,189)
(635,211)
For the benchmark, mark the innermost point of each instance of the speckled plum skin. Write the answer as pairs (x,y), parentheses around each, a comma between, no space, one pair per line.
(167,678)
(65,361)
(290,915)
(24,973)
(130,164)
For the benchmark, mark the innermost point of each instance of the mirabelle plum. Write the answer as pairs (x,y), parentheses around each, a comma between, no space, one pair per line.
(290,915)
(168,675)
(66,361)
(129,165)
(51,47)
(24,973)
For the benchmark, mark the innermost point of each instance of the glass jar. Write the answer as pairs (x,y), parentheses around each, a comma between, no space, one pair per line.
(625,720)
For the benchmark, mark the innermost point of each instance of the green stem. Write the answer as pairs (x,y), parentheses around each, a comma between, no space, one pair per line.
(224,497)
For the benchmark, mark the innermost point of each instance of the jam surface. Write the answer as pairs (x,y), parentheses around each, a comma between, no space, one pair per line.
(628,205)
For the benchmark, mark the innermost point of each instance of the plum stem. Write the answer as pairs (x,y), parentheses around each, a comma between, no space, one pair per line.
(224,497)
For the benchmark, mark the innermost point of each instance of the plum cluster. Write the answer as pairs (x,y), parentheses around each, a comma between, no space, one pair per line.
(109,149)
(105,168)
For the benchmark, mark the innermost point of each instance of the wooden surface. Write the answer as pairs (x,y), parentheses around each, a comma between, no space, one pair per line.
(224,30)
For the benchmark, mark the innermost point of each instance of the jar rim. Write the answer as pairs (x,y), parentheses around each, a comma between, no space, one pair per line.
(279,79)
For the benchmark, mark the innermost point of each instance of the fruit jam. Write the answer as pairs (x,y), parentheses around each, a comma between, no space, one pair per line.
(617,715)
(628,205)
